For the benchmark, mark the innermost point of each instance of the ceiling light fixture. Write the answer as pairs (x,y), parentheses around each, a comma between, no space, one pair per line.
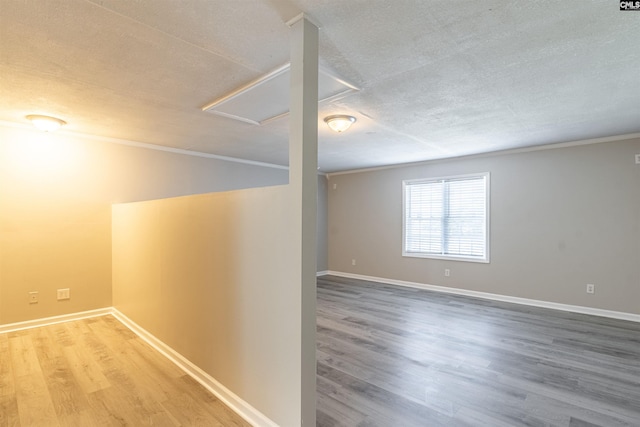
(339,122)
(45,123)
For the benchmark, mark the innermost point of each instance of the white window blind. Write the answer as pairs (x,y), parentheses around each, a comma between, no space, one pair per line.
(447,217)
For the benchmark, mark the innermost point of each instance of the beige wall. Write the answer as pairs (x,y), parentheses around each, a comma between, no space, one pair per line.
(56,193)
(214,277)
(560,218)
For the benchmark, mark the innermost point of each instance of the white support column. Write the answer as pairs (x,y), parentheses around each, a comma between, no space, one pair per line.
(303,179)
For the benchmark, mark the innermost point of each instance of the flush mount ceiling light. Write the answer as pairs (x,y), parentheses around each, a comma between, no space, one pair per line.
(45,123)
(339,122)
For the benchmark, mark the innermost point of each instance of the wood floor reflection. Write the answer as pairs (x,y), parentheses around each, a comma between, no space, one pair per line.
(394,356)
(387,356)
(96,372)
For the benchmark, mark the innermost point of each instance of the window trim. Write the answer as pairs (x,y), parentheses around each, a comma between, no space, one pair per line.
(487,257)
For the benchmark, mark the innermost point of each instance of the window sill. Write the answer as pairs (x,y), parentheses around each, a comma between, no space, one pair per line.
(446,257)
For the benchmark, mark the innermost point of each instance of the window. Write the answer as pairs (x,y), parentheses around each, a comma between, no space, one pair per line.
(447,218)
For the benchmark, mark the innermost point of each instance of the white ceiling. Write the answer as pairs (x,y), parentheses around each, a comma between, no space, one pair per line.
(437,78)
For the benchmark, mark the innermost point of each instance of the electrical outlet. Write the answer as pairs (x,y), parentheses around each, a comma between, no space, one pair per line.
(591,289)
(447,272)
(33,297)
(63,294)
(637,159)
(353,262)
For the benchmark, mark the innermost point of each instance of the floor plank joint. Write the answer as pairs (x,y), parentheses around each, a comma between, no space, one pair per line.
(398,356)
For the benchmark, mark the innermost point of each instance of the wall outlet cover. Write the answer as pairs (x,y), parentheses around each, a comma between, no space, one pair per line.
(33,297)
(63,294)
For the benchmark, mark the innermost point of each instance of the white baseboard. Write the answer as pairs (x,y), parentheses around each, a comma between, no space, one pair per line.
(496,297)
(242,408)
(322,273)
(10,327)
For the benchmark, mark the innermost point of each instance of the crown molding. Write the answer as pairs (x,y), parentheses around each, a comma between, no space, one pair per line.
(528,149)
(145,145)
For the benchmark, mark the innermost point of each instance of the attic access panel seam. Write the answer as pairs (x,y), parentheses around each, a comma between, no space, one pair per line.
(267,98)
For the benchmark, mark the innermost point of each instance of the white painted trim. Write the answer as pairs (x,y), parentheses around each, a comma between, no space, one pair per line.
(528,149)
(148,146)
(242,408)
(300,17)
(322,273)
(36,323)
(254,83)
(239,406)
(215,107)
(496,297)
(177,150)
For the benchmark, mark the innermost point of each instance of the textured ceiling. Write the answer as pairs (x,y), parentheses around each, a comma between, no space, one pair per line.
(438,78)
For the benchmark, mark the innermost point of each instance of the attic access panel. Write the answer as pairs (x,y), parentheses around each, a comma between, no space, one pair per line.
(267,98)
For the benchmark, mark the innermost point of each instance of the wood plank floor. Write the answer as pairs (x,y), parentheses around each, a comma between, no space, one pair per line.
(96,372)
(387,356)
(393,356)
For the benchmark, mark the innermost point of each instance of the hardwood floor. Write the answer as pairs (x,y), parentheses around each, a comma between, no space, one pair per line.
(387,356)
(393,356)
(96,372)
